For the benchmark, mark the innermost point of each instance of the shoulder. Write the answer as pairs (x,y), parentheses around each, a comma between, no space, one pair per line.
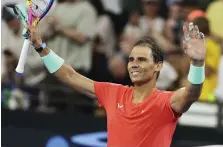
(163,94)
(160,19)
(159,22)
(105,18)
(107,93)
(163,101)
(128,27)
(87,7)
(104,21)
(110,86)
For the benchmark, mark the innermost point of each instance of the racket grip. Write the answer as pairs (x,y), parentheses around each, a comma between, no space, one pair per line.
(23,57)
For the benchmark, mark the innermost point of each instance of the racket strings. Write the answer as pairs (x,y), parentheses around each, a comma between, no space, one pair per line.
(39,7)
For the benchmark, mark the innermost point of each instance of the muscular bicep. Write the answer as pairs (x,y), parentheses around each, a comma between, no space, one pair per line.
(75,80)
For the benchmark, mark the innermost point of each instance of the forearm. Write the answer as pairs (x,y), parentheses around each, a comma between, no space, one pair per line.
(74,35)
(163,42)
(184,97)
(49,35)
(55,65)
(70,77)
(193,91)
(64,73)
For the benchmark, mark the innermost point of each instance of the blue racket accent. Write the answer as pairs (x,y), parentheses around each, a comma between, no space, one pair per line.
(48,8)
(19,75)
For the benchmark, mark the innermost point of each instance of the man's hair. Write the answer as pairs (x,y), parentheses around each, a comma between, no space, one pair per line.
(202,24)
(157,53)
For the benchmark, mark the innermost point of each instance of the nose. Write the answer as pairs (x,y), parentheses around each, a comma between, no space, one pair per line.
(135,66)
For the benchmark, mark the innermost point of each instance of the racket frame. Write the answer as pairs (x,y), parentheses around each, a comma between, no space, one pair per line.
(32,20)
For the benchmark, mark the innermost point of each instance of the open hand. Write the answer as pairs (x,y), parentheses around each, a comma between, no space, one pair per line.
(194,43)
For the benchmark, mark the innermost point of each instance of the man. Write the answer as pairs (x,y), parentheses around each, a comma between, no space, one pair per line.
(139,116)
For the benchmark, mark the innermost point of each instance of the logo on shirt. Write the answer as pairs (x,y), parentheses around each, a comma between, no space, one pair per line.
(120,106)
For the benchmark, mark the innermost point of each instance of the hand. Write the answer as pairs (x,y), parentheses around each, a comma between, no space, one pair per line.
(51,20)
(194,43)
(34,36)
(54,24)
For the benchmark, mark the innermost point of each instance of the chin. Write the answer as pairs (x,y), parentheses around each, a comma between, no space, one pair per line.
(139,81)
(136,81)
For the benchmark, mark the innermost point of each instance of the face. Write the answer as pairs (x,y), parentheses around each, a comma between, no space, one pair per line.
(141,66)
(10,63)
(151,9)
(134,18)
(175,12)
(14,25)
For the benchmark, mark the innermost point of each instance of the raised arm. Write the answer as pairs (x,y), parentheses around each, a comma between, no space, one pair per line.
(56,66)
(195,48)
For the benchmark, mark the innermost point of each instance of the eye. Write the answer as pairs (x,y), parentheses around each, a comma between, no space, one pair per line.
(142,59)
(131,59)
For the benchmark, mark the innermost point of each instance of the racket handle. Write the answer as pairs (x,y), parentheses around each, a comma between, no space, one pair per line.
(23,57)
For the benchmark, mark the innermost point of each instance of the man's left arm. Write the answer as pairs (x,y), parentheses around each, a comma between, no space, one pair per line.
(195,48)
(183,98)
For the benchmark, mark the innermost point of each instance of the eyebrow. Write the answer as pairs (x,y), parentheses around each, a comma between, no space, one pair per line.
(130,58)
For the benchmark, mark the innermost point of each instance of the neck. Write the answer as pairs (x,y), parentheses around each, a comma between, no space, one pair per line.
(150,16)
(143,90)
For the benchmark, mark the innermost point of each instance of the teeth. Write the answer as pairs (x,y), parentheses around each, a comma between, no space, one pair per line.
(135,73)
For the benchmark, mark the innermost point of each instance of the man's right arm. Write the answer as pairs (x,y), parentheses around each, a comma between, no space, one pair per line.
(56,65)
(106,92)
(70,77)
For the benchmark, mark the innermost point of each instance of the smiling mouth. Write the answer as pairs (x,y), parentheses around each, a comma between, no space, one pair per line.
(135,73)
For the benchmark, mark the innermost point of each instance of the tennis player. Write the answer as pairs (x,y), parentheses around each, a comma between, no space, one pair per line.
(142,115)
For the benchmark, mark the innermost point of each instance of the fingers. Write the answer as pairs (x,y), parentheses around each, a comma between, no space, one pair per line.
(185,46)
(197,32)
(196,29)
(29,28)
(201,35)
(186,32)
(32,32)
(192,32)
(185,29)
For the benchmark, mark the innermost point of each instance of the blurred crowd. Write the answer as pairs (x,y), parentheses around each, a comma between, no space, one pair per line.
(96,42)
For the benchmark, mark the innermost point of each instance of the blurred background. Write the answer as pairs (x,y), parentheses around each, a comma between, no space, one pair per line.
(38,110)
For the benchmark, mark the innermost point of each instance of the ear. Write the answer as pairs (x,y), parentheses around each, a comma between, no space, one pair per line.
(158,66)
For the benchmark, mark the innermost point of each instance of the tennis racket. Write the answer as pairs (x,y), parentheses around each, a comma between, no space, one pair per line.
(37,9)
